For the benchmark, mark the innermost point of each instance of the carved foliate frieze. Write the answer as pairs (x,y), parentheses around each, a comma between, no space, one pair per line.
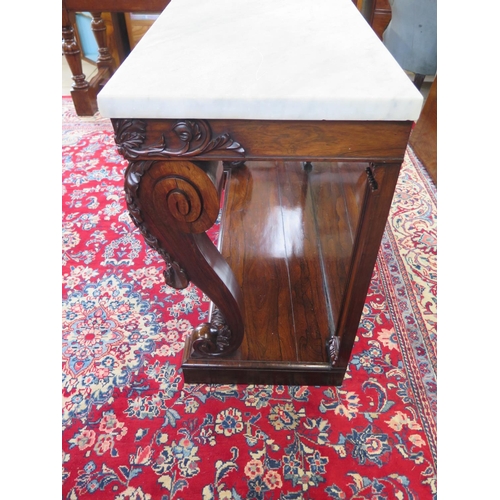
(195,138)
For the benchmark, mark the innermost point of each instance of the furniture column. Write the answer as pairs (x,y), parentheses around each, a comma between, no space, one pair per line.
(81,92)
(104,59)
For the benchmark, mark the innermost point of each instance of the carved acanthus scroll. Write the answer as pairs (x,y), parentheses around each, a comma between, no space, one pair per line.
(174,203)
(195,138)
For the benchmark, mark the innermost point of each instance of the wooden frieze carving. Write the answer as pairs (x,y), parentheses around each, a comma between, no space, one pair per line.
(195,138)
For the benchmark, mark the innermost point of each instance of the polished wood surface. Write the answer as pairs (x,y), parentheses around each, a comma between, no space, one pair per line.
(287,235)
(375,207)
(302,243)
(423,138)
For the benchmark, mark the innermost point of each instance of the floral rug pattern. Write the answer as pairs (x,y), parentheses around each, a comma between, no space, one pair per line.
(133,430)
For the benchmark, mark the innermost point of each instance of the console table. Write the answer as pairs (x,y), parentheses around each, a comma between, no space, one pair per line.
(292,116)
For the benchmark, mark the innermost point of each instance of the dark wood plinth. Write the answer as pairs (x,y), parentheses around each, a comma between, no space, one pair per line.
(287,232)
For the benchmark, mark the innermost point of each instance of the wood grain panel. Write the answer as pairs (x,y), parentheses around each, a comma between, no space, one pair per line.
(310,307)
(293,140)
(287,236)
(254,246)
(334,227)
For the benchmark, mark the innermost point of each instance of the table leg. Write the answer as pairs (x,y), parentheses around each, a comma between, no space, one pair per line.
(174,203)
(379,190)
(98,26)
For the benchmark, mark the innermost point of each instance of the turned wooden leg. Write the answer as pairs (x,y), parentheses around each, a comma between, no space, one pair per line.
(83,98)
(379,189)
(173,203)
(104,60)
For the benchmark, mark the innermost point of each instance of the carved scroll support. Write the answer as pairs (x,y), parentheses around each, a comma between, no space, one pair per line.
(173,203)
(174,200)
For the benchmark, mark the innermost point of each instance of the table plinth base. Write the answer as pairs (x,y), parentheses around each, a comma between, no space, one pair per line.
(227,371)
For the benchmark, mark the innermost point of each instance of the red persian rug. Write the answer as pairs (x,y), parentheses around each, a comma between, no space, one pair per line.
(133,430)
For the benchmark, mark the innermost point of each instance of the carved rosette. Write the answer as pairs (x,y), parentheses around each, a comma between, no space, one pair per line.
(333,346)
(174,275)
(195,138)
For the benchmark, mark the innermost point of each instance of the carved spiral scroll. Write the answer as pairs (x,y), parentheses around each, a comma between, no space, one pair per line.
(180,203)
(212,339)
(188,195)
(174,203)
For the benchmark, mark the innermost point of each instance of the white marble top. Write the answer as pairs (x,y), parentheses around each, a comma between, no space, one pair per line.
(261,59)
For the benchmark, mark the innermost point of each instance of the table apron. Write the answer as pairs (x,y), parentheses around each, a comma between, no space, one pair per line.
(240,140)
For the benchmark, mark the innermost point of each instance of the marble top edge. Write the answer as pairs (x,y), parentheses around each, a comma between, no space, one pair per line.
(231,59)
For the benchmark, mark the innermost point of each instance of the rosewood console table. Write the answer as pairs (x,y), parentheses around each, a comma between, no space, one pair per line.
(293,114)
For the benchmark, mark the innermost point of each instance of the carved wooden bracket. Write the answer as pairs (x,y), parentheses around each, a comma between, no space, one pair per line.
(195,138)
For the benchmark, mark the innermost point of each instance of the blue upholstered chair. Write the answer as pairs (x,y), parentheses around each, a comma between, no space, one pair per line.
(411,36)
